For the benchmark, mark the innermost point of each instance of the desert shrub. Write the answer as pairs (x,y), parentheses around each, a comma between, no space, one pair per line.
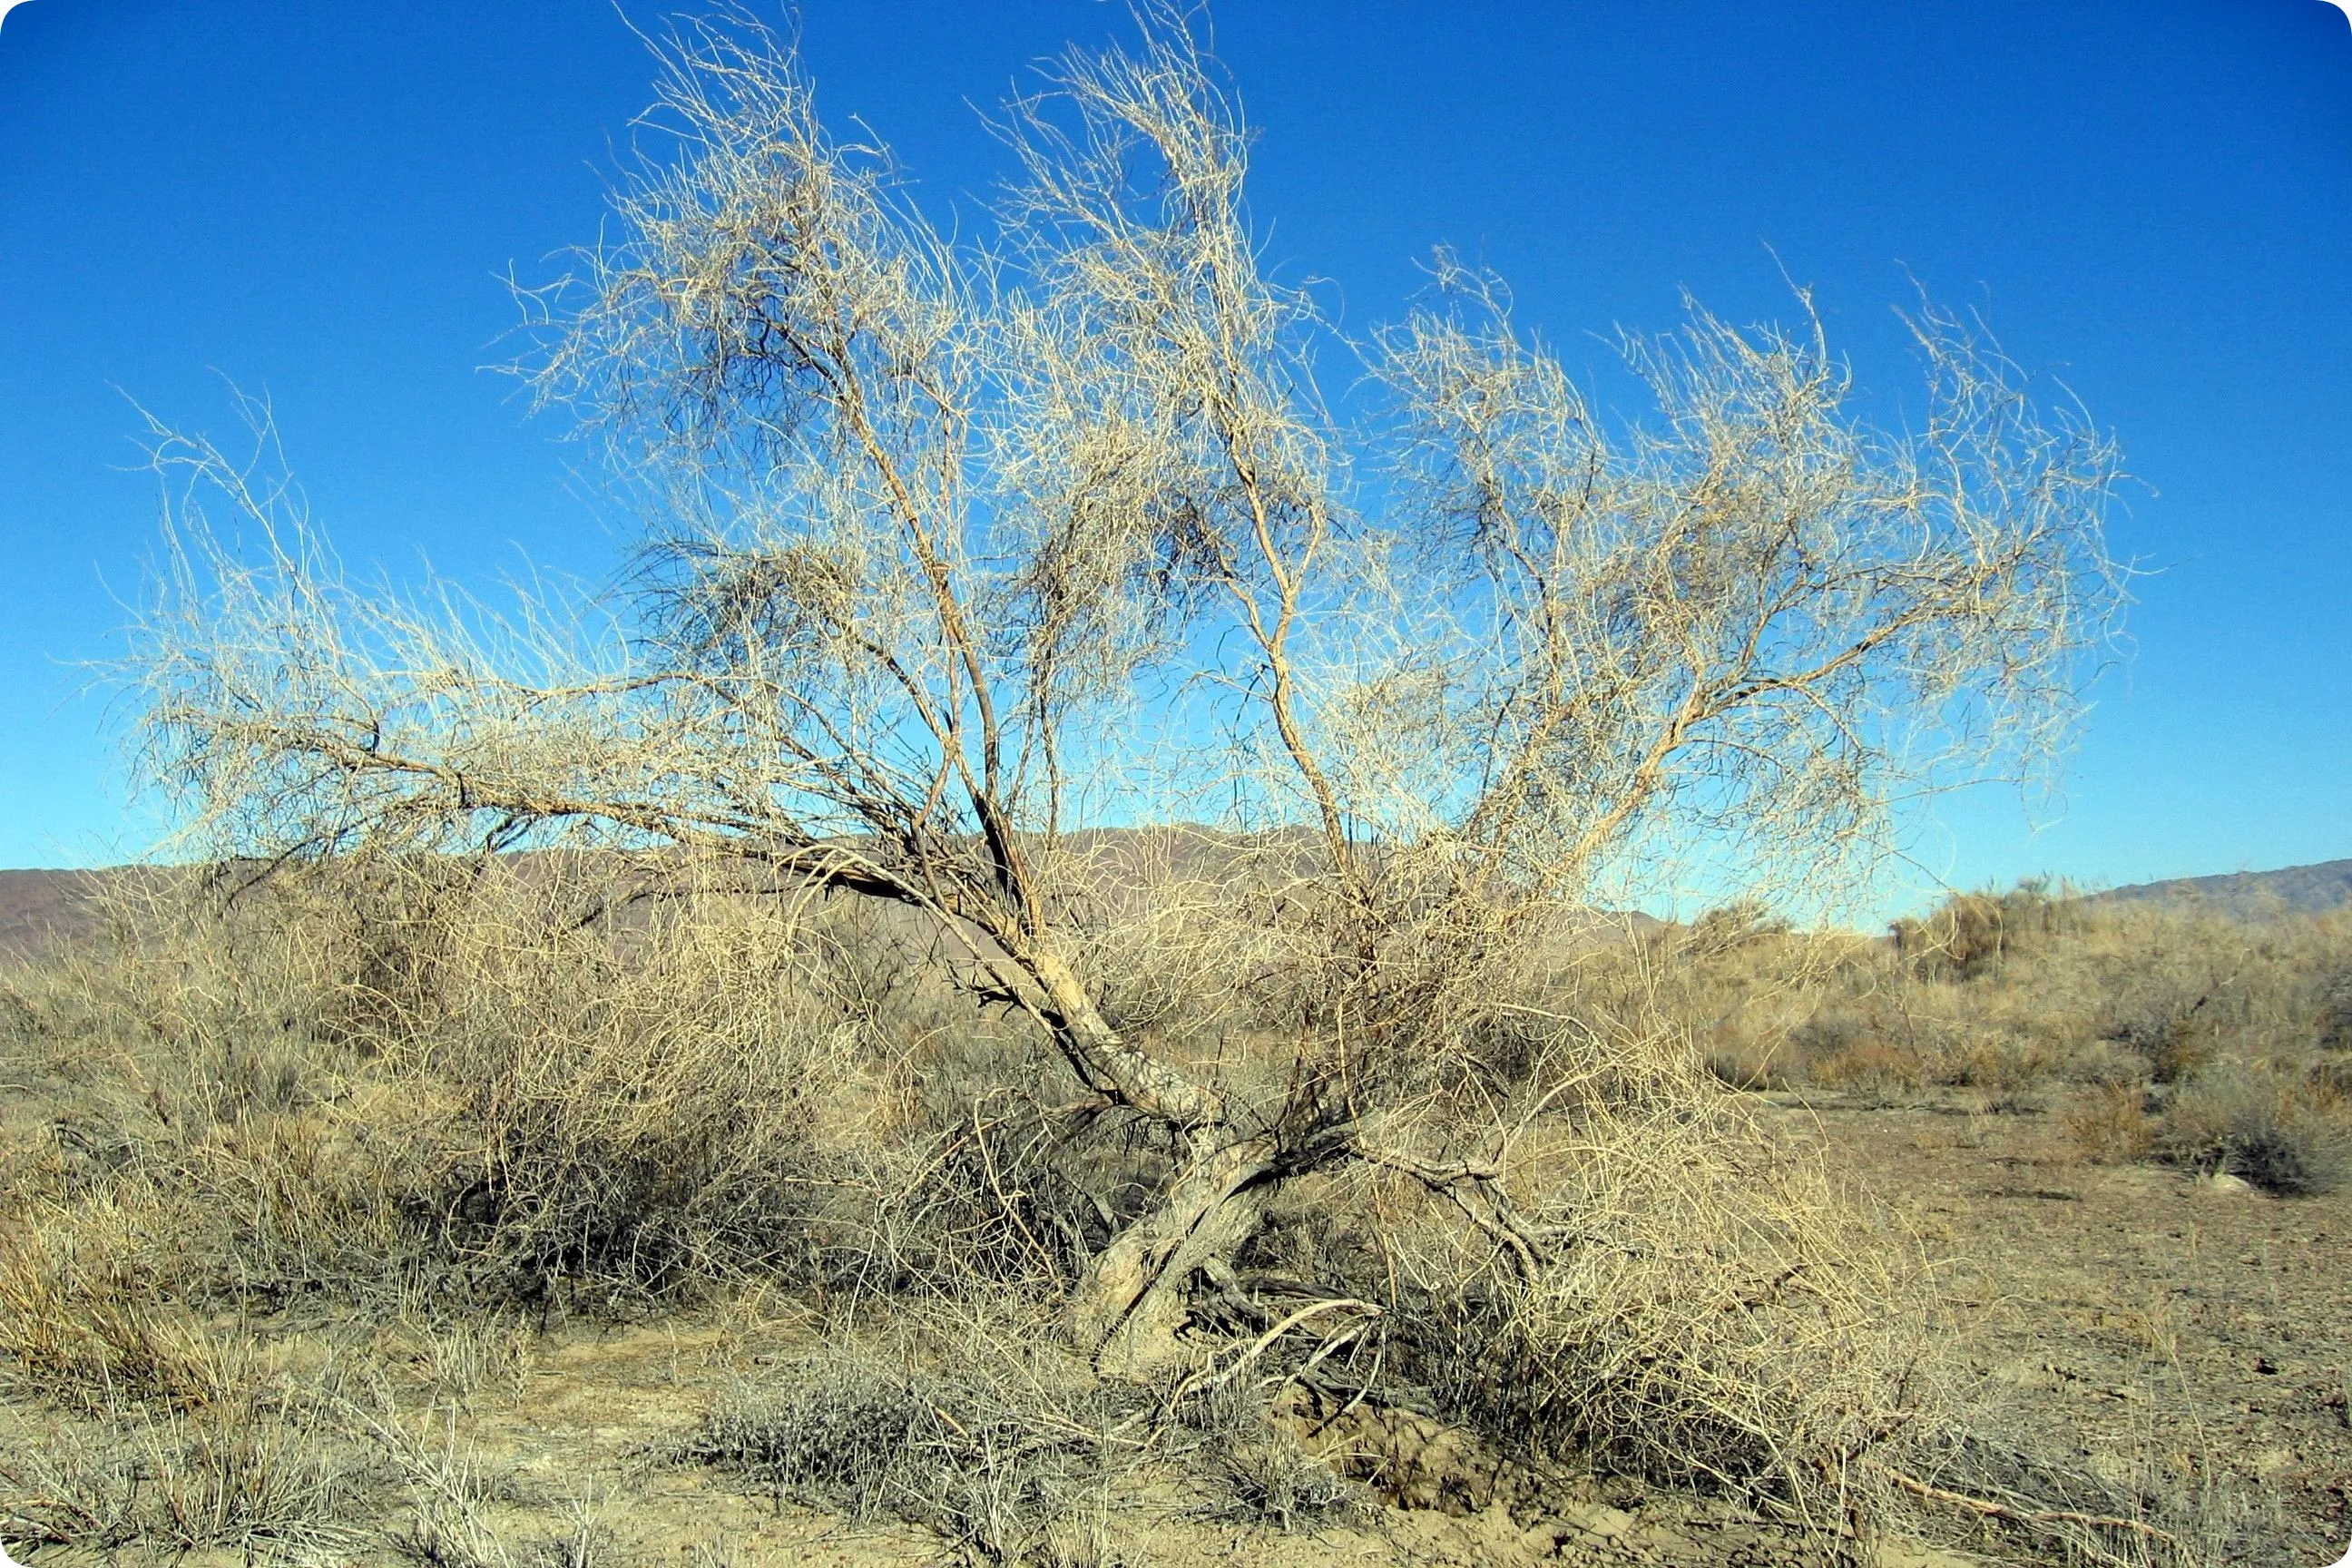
(2111,1125)
(1962,938)
(2335,1020)
(1871,1066)
(617,1109)
(2258,1127)
(1970,934)
(1745,923)
(873,1433)
(1831,1033)
(1710,1299)
(1744,1067)
(2107,1063)
(652,1130)
(2009,1069)
(2166,1026)
(2330,1079)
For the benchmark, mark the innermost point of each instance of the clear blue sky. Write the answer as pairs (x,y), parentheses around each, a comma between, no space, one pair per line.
(317,200)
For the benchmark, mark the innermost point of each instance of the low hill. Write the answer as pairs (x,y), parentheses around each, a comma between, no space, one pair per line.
(43,909)
(2308,889)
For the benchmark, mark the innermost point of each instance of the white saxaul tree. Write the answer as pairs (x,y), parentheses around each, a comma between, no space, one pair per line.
(955,547)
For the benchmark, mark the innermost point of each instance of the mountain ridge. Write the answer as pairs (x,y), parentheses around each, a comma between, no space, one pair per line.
(2313,888)
(42,911)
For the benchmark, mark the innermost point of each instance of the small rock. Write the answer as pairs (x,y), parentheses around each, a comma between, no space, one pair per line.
(2269,1462)
(2223,1184)
(1599,1520)
(1545,1540)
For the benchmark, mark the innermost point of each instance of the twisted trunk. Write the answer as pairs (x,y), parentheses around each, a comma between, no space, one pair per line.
(1126,1308)
(1102,1057)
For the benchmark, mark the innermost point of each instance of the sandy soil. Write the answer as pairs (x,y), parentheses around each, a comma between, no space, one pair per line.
(2201,1327)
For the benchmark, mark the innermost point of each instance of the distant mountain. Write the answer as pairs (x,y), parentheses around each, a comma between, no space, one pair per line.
(40,911)
(43,910)
(2301,888)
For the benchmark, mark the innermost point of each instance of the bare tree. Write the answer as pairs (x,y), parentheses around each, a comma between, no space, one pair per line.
(935,529)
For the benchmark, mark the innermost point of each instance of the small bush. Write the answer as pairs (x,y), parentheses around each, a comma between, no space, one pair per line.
(1871,1069)
(2334,1031)
(2179,1044)
(2111,1125)
(2331,1081)
(1258,1473)
(2003,1064)
(1971,933)
(2256,1127)
(1960,939)
(847,1431)
(1747,1069)
(2109,1064)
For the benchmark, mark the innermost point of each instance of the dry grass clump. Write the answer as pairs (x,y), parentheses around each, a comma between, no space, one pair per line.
(2111,1124)
(992,1439)
(2272,1131)
(261,1473)
(2018,1496)
(134,1419)
(975,1424)
(1261,1470)
(462,1510)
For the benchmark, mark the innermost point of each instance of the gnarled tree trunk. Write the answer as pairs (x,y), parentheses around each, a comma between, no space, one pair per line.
(1126,1308)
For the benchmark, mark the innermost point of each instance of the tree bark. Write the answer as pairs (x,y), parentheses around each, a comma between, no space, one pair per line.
(1104,1057)
(1126,1309)
(1125,1312)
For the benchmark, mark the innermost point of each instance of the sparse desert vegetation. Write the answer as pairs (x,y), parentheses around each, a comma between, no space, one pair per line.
(2162,1031)
(485,1217)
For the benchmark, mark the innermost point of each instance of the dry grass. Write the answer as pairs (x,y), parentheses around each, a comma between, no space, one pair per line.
(2111,1124)
(2156,1030)
(453,1120)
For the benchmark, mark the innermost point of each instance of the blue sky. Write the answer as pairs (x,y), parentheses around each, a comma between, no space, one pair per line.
(2153,199)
